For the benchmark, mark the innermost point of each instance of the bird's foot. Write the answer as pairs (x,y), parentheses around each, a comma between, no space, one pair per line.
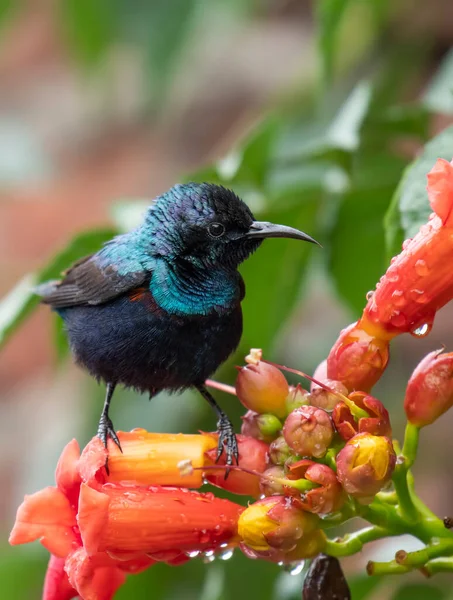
(227,442)
(106,431)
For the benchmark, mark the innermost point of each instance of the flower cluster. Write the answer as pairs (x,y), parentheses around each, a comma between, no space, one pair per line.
(309,459)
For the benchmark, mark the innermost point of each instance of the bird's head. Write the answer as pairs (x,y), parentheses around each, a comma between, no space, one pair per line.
(208,225)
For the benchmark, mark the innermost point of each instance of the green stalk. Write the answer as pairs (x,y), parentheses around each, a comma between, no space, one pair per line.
(354,542)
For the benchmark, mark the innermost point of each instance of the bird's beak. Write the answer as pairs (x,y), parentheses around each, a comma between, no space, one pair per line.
(263,229)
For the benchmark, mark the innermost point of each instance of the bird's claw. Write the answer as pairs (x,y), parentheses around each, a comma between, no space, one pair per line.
(227,443)
(106,431)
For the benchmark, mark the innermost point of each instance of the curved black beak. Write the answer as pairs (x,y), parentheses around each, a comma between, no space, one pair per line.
(263,229)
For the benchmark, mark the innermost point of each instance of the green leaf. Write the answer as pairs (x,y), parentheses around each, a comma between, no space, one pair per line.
(89,28)
(439,94)
(420,591)
(60,339)
(410,207)
(21,301)
(329,14)
(357,242)
(274,276)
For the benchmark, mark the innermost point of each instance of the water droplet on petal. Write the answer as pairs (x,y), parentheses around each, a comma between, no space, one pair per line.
(398,319)
(193,554)
(422,330)
(208,558)
(392,277)
(421,268)
(406,243)
(226,555)
(369,295)
(398,298)
(393,259)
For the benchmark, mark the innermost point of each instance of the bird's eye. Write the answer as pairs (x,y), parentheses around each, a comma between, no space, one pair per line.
(216,229)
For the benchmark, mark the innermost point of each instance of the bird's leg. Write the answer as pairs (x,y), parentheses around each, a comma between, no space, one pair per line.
(105,428)
(227,437)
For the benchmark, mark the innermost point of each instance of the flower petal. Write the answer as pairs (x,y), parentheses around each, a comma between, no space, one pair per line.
(67,476)
(48,516)
(56,583)
(92,516)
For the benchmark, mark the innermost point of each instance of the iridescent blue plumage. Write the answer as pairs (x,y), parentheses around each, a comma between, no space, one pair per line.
(159,307)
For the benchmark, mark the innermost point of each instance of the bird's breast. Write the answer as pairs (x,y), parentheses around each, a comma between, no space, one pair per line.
(134,341)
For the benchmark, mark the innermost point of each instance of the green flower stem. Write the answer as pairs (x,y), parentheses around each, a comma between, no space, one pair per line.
(405,460)
(354,542)
(386,568)
(356,411)
(421,557)
(438,565)
(302,485)
(410,446)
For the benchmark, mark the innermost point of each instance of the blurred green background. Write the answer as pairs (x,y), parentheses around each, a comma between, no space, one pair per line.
(318,113)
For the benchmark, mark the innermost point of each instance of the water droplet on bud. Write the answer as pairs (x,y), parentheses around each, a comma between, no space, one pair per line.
(369,295)
(421,268)
(398,319)
(422,330)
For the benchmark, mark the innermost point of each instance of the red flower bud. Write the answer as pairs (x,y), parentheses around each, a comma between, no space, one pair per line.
(348,425)
(429,392)
(328,400)
(253,456)
(297,397)
(327,498)
(308,431)
(262,388)
(358,358)
(279,451)
(261,427)
(365,465)
(276,529)
(268,484)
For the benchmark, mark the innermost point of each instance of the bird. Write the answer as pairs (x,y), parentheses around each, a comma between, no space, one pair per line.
(159,307)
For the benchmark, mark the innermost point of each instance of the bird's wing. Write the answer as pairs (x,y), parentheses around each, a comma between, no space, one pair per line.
(89,281)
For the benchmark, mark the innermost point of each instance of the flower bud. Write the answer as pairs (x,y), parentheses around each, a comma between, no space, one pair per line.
(268,484)
(327,498)
(429,392)
(348,425)
(327,400)
(253,456)
(365,465)
(276,529)
(262,388)
(279,451)
(308,431)
(358,358)
(297,397)
(261,427)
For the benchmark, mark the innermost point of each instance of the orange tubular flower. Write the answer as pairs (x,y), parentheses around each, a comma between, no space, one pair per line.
(148,458)
(418,282)
(98,530)
(429,392)
(130,521)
